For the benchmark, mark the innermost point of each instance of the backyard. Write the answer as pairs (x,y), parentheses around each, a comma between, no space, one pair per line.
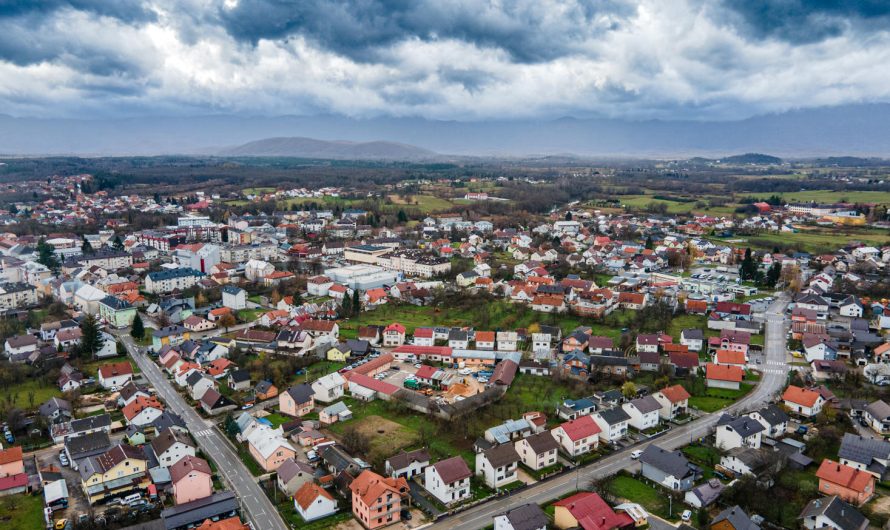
(21,512)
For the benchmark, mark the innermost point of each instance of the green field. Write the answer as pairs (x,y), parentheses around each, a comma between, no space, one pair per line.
(495,315)
(830,196)
(249,315)
(422,203)
(18,393)
(21,512)
(641,202)
(822,239)
(635,490)
(258,190)
(715,399)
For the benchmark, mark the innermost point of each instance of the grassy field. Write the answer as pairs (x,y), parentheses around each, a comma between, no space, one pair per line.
(676,207)
(830,196)
(401,430)
(277,419)
(21,512)
(716,398)
(19,393)
(422,203)
(494,315)
(258,190)
(249,315)
(635,490)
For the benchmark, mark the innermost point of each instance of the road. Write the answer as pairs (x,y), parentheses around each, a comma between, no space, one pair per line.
(774,377)
(256,507)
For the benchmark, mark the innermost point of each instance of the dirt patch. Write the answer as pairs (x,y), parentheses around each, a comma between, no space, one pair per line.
(881,504)
(386,436)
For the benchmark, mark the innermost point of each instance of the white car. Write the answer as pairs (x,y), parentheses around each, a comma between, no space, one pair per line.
(636,454)
(465,371)
(418,365)
(686,515)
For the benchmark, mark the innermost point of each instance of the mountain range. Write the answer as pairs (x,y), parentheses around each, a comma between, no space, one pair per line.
(852,130)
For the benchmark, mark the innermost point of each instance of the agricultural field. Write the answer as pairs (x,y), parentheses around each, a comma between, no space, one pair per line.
(642,202)
(819,239)
(423,203)
(831,196)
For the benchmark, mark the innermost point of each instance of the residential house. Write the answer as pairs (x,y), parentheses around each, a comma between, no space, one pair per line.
(377,501)
(832,513)
(524,517)
(773,419)
(674,401)
(171,445)
(668,468)
(865,454)
(292,474)
(312,502)
(723,376)
(692,338)
(578,436)
(393,335)
(407,464)
(119,470)
(334,413)
(329,387)
(497,466)
(448,480)
(803,401)
(644,412)
(589,511)
(850,484)
(191,479)
(742,431)
(877,414)
(297,400)
(538,451)
(613,424)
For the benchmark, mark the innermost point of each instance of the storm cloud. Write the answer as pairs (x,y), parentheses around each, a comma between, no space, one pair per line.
(442,59)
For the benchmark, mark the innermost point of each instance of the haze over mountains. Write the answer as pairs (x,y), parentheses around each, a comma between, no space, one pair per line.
(859,130)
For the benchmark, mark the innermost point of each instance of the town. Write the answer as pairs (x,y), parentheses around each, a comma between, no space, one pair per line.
(518,349)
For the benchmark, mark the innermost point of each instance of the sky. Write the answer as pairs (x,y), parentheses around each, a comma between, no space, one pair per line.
(466,60)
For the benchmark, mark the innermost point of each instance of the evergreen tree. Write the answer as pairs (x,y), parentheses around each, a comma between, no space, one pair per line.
(356,302)
(773,275)
(118,243)
(748,268)
(86,247)
(402,216)
(91,339)
(138,329)
(649,244)
(568,216)
(46,255)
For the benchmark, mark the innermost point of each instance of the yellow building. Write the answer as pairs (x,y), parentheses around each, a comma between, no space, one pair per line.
(119,470)
(339,354)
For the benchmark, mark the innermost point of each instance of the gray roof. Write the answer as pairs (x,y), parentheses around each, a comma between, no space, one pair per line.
(182,515)
(743,425)
(773,415)
(91,422)
(708,492)
(52,405)
(291,468)
(88,444)
(527,517)
(501,455)
(404,459)
(301,393)
(693,334)
(844,516)
(542,442)
(737,518)
(863,450)
(669,462)
(755,459)
(878,410)
(646,404)
(614,416)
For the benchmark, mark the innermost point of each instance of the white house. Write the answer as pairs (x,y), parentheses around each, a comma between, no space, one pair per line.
(508,340)
(613,424)
(578,436)
(674,401)
(773,419)
(538,450)
(448,480)
(738,432)
(312,502)
(644,412)
(497,466)
(115,375)
(525,517)
(329,388)
(803,401)
(408,464)
(234,298)
(172,445)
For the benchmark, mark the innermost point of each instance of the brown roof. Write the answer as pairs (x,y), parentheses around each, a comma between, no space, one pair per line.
(186,465)
(403,459)
(307,494)
(118,454)
(502,455)
(167,438)
(542,442)
(453,469)
(113,369)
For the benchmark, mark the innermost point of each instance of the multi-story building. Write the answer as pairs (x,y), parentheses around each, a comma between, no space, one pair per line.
(17,295)
(168,280)
(377,500)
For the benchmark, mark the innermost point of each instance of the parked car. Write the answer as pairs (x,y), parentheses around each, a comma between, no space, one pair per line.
(406,515)
(636,454)
(686,515)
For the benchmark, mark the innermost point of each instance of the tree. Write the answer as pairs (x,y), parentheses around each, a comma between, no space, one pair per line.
(629,390)
(748,268)
(138,329)
(568,216)
(649,244)
(773,275)
(85,246)
(402,217)
(356,302)
(227,321)
(91,339)
(46,255)
(355,441)
(117,243)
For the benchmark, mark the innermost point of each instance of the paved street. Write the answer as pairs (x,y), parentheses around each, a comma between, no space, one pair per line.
(770,384)
(256,507)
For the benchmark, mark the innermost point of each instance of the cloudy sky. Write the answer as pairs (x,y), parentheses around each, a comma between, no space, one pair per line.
(441,59)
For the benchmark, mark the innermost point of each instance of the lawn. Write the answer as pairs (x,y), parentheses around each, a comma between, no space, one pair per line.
(681,322)
(493,315)
(635,490)
(831,196)
(19,392)
(247,458)
(277,419)
(249,315)
(819,239)
(717,398)
(702,454)
(423,203)
(21,512)
(676,207)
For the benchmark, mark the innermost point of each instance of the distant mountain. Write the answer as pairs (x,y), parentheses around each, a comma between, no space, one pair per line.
(852,130)
(752,158)
(311,148)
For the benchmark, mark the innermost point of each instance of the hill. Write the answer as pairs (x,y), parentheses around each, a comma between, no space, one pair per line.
(752,158)
(311,148)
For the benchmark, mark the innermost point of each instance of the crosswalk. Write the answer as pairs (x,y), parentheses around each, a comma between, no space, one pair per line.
(773,371)
(205,432)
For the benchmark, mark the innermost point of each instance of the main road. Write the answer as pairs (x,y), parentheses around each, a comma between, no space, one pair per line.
(255,505)
(774,376)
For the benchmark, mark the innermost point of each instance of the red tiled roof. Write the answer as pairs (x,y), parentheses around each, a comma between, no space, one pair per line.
(801,396)
(724,373)
(843,475)
(580,428)
(675,393)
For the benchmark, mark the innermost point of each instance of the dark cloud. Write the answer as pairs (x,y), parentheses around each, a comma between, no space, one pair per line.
(120,9)
(529,31)
(807,21)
